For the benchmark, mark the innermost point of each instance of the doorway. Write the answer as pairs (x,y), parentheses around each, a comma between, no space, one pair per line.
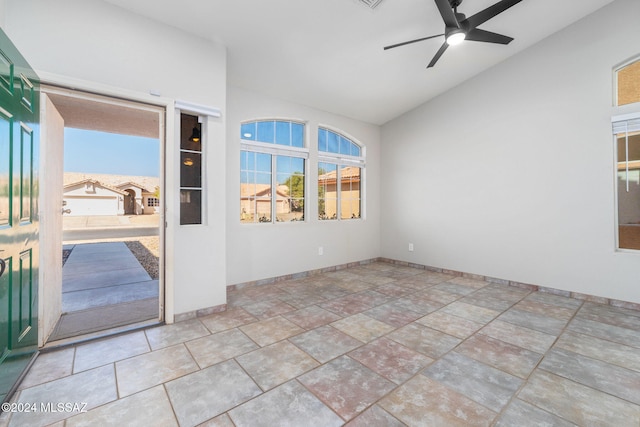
(110,239)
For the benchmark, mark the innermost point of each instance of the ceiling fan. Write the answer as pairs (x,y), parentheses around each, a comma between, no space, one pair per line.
(459,28)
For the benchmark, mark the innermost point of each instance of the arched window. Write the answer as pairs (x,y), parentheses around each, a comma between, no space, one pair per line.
(272,171)
(340,176)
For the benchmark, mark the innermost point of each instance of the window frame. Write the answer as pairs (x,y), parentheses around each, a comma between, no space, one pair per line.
(275,150)
(616,70)
(343,160)
(622,115)
(201,121)
(617,123)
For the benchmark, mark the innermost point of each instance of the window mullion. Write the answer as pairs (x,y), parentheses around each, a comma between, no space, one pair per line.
(626,153)
(274,187)
(338,193)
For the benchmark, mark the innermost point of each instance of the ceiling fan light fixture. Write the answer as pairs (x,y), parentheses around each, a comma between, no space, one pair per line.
(456,37)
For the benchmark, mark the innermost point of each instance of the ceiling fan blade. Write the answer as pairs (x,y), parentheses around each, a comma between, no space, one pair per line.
(448,16)
(438,54)
(478,35)
(412,41)
(488,13)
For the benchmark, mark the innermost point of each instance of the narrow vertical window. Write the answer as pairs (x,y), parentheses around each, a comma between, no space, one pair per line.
(626,131)
(340,173)
(627,141)
(190,170)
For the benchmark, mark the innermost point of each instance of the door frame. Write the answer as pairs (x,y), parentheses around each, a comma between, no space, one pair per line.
(52,82)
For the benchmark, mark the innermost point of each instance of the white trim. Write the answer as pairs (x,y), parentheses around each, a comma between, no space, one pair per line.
(165,107)
(73,85)
(192,107)
(274,149)
(625,117)
(341,160)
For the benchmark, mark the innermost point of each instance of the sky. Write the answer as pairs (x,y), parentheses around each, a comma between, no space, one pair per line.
(109,153)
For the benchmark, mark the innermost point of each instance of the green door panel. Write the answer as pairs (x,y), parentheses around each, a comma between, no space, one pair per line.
(19,227)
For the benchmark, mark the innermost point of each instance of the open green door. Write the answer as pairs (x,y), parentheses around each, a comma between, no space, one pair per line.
(19,234)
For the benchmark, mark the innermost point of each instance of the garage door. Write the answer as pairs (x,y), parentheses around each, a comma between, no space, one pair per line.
(86,206)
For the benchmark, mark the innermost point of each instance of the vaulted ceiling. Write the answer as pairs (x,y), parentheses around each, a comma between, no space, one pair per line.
(328,54)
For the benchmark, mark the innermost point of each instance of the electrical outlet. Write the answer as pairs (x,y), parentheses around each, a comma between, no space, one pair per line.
(410,247)
(320,250)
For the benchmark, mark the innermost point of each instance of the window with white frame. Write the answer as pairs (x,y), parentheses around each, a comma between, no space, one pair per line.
(153,202)
(341,164)
(191,184)
(626,131)
(272,171)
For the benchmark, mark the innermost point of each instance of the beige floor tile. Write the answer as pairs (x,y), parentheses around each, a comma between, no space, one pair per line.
(577,403)
(141,409)
(422,401)
(362,327)
(271,330)
(276,364)
(148,370)
(84,391)
(109,350)
(219,347)
(176,333)
(48,367)
(449,324)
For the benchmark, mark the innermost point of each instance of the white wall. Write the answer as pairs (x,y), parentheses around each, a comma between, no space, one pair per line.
(97,42)
(259,251)
(511,174)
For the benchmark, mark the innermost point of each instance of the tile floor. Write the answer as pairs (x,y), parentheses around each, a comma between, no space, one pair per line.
(373,345)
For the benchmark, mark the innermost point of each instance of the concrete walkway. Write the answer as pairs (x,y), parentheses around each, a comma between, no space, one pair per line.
(100,282)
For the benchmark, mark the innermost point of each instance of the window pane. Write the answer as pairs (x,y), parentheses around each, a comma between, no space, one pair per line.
(345,146)
(290,190)
(263,208)
(297,135)
(266,131)
(190,207)
(248,131)
(283,133)
(255,187)
(283,165)
(322,140)
(187,125)
(26,173)
(629,84)
(355,150)
(5,163)
(628,148)
(333,144)
(327,191)
(263,162)
(350,192)
(190,170)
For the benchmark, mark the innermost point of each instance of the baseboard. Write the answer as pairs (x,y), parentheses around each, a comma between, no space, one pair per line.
(505,282)
(527,286)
